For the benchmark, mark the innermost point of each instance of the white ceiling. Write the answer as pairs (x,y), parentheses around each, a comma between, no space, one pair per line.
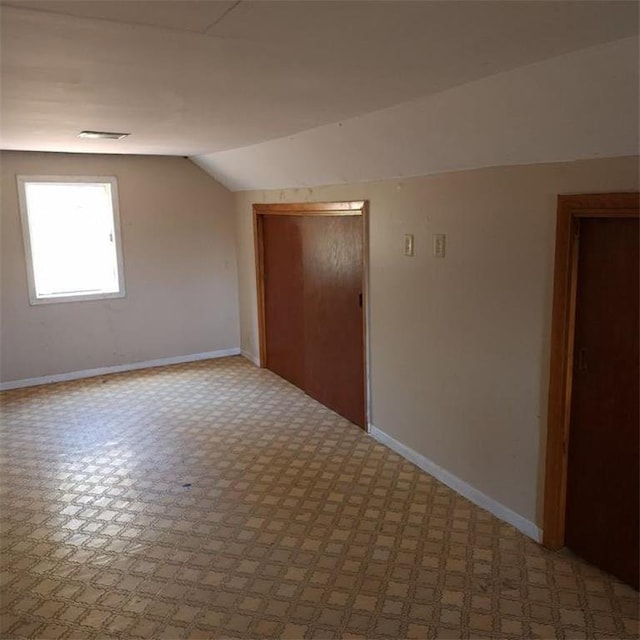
(573,107)
(199,78)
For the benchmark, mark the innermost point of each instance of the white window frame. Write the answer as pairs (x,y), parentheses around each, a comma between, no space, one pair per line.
(26,236)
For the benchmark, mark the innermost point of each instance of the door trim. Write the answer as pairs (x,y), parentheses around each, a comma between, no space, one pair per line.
(346,208)
(571,209)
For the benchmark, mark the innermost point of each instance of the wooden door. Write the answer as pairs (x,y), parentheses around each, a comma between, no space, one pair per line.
(602,513)
(312,272)
(334,340)
(284,294)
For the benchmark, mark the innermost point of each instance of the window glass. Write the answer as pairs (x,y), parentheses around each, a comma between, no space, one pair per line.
(72,243)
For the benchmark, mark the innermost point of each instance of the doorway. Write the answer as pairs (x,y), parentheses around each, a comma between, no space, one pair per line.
(591,495)
(310,270)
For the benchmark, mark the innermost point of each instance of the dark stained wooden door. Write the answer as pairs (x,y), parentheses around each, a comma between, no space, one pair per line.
(283,274)
(314,324)
(603,498)
(334,342)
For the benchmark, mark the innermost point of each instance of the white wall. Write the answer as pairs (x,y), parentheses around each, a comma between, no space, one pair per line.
(460,345)
(179,262)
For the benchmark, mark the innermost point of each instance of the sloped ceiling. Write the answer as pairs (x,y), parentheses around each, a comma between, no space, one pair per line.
(578,106)
(256,92)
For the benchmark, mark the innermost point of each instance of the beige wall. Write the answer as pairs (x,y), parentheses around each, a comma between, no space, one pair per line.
(460,345)
(179,261)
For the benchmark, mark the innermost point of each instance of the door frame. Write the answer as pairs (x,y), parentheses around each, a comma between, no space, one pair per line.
(344,208)
(571,210)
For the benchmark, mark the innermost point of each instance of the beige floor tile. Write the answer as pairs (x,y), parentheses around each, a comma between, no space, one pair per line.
(215,500)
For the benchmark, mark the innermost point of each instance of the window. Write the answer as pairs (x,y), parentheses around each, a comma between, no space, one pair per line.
(72,238)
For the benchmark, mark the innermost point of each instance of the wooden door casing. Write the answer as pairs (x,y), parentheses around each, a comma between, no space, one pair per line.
(572,209)
(311,265)
(603,491)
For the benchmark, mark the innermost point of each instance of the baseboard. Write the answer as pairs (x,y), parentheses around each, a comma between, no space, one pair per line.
(460,486)
(118,368)
(249,356)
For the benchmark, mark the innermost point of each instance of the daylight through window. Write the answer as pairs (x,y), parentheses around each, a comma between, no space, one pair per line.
(71,233)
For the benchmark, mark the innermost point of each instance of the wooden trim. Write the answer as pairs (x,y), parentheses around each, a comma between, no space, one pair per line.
(258,244)
(347,208)
(366,349)
(571,208)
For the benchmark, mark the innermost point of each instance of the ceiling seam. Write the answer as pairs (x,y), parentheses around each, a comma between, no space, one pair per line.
(73,16)
(218,20)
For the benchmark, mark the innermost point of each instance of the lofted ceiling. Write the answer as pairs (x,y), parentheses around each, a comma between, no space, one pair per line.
(197,78)
(578,106)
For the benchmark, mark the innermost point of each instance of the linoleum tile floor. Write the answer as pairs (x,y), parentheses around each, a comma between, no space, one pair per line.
(215,500)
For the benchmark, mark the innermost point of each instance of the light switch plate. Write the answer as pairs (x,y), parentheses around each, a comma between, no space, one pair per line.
(408,244)
(439,244)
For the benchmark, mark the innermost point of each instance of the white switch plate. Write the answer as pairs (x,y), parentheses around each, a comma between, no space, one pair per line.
(408,244)
(439,244)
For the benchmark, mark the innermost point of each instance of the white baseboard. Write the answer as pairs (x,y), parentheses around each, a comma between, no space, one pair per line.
(460,486)
(118,368)
(251,357)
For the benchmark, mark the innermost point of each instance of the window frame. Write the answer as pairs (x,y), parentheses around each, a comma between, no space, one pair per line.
(23,180)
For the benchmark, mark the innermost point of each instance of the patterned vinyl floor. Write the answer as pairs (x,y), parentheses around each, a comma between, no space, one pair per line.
(215,500)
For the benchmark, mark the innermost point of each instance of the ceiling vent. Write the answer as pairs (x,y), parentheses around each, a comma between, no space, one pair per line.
(103,135)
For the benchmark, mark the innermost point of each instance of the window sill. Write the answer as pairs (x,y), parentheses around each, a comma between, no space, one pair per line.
(33,301)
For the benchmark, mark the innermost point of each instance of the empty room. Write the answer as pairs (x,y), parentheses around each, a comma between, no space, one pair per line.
(319,319)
